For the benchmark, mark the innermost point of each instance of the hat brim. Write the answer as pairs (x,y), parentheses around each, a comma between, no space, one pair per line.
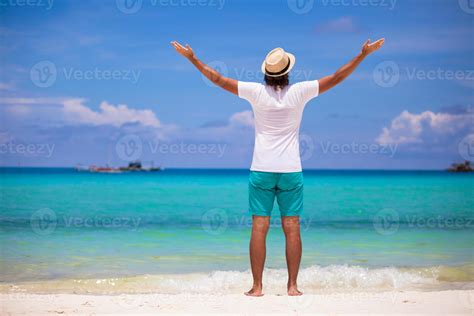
(292,59)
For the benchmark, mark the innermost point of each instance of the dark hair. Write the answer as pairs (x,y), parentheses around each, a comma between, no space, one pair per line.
(277,82)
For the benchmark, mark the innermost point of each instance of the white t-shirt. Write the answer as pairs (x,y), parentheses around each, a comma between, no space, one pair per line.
(277,117)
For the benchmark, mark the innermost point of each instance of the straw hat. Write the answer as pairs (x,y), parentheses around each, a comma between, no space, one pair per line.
(278,63)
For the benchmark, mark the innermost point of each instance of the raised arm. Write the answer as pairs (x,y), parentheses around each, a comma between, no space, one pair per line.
(342,73)
(219,80)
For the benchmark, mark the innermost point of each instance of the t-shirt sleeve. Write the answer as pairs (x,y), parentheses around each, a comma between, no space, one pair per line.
(249,91)
(308,90)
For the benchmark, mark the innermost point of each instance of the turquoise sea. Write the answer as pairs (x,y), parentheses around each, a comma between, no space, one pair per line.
(188,230)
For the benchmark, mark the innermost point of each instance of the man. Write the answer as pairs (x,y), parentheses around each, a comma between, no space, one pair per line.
(276,167)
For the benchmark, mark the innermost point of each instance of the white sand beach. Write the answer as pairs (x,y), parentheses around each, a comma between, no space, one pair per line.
(452,302)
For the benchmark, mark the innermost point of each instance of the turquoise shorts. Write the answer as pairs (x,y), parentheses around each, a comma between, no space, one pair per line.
(286,187)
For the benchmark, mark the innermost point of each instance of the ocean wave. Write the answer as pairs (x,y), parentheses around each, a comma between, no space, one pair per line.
(332,278)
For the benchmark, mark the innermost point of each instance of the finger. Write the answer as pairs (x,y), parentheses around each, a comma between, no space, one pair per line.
(366,42)
(176,44)
(188,47)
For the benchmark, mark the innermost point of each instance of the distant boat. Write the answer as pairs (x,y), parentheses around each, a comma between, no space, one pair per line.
(461,167)
(134,166)
(137,166)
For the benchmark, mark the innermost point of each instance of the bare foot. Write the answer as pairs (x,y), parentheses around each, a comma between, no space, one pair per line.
(255,291)
(293,291)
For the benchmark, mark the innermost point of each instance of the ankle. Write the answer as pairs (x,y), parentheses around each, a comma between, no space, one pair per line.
(291,284)
(257,285)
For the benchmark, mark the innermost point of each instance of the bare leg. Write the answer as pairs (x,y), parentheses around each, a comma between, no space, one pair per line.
(260,225)
(291,227)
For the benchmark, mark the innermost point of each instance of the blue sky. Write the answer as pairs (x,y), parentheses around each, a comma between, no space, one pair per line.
(96,82)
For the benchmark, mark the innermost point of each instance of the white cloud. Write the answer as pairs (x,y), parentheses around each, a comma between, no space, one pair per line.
(7,86)
(109,114)
(5,137)
(425,128)
(343,24)
(244,118)
(76,112)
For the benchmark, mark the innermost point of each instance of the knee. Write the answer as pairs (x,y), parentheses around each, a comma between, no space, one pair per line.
(261,224)
(291,225)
